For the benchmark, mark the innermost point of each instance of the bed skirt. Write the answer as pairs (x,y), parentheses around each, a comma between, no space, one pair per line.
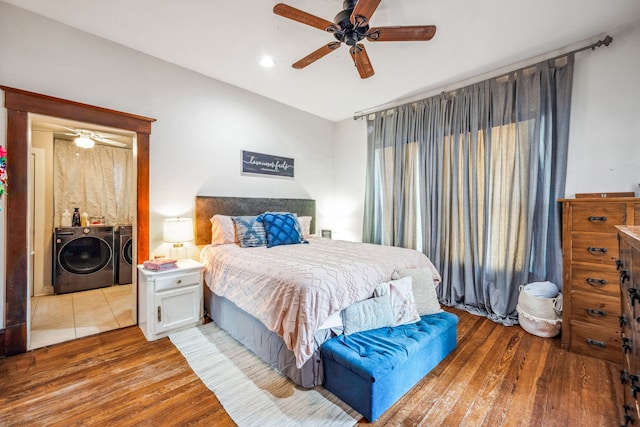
(266,344)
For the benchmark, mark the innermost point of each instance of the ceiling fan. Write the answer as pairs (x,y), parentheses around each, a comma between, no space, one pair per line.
(86,138)
(351,26)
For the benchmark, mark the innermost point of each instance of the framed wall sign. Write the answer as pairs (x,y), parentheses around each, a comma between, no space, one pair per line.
(266,164)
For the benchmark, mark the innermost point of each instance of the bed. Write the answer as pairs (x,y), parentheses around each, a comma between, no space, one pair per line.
(283,302)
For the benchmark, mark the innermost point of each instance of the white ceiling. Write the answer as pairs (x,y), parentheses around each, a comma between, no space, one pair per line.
(226,39)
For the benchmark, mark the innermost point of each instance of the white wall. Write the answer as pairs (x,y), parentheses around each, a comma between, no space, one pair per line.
(202,124)
(604,150)
(350,166)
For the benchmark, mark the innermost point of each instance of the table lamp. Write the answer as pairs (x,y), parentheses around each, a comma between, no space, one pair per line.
(178,231)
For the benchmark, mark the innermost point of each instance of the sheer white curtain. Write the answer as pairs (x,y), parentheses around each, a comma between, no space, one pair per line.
(472,179)
(98,180)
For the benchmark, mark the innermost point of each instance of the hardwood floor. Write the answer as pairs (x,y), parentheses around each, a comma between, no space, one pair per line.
(497,376)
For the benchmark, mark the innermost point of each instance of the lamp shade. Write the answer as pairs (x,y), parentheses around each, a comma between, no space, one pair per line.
(178,230)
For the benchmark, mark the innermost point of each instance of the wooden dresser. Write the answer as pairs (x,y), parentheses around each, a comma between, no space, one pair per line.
(590,282)
(630,321)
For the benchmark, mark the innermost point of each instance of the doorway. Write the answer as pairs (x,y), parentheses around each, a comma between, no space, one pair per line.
(75,289)
(19,104)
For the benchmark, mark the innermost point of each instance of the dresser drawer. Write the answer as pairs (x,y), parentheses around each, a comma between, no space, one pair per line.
(594,248)
(598,217)
(598,310)
(177,281)
(598,279)
(596,341)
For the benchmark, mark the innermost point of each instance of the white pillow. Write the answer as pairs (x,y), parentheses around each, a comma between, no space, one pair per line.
(222,230)
(403,304)
(424,290)
(305,225)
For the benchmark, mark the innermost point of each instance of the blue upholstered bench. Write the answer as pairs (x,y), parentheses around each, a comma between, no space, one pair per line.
(371,370)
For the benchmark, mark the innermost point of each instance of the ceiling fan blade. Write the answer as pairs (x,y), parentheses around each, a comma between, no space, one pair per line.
(363,11)
(302,17)
(401,34)
(316,54)
(110,142)
(361,61)
(73,131)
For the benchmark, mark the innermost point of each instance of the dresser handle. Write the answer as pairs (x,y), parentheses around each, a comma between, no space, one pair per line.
(159,314)
(596,282)
(597,250)
(596,343)
(622,319)
(598,218)
(597,313)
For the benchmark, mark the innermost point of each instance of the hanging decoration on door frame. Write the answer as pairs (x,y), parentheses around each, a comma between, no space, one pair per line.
(3,172)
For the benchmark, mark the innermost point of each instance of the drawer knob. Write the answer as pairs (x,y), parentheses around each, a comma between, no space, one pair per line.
(598,219)
(596,313)
(624,377)
(596,343)
(623,320)
(593,250)
(596,282)
(179,281)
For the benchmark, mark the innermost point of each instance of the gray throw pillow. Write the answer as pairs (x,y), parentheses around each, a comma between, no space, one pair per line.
(372,313)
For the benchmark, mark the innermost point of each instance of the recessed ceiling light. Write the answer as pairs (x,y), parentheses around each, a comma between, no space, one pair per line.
(267,62)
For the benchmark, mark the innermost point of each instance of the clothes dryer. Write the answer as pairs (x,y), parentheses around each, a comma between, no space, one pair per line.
(125,254)
(84,258)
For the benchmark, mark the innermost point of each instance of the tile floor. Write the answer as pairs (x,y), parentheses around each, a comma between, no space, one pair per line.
(58,318)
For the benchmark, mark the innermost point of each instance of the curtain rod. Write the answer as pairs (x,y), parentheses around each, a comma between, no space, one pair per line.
(606,41)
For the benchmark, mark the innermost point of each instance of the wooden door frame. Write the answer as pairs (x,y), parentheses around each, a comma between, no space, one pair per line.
(19,104)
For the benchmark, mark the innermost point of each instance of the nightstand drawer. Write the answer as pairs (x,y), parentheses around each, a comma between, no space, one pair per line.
(177,281)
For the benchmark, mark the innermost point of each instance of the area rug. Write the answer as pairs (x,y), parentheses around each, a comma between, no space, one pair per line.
(253,393)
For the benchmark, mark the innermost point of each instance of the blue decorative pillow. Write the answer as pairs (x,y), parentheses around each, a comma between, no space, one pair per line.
(372,313)
(250,231)
(281,229)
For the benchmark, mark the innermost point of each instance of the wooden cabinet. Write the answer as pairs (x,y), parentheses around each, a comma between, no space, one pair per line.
(170,300)
(590,251)
(629,268)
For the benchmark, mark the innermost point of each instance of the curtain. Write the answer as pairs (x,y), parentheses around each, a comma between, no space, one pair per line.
(471,178)
(99,181)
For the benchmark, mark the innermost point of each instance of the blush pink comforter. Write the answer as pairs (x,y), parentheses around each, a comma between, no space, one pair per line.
(293,289)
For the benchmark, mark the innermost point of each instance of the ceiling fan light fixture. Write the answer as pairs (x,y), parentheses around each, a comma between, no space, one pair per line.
(84,142)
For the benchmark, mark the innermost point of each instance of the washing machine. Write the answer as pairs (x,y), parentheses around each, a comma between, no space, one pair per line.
(124,240)
(84,258)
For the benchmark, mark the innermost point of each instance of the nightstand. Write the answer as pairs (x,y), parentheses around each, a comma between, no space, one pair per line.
(170,300)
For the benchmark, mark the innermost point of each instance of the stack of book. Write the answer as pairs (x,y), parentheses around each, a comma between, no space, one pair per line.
(160,264)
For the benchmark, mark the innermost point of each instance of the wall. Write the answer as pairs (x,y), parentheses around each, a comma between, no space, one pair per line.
(44,140)
(202,124)
(604,152)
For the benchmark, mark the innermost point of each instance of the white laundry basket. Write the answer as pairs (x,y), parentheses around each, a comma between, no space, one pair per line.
(540,315)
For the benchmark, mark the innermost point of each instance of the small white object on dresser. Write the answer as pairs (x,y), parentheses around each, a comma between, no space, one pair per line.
(170,300)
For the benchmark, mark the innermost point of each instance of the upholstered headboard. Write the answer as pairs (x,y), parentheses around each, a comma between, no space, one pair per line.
(207,206)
